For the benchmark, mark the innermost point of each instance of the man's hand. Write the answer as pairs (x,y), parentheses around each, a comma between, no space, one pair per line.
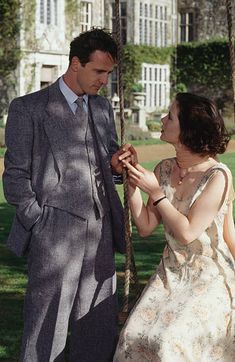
(127,153)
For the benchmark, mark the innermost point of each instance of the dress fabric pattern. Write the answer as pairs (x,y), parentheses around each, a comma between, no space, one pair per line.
(186,313)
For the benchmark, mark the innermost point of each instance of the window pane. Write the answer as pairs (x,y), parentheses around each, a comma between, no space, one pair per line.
(56,12)
(190,33)
(183,19)
(123,9)
(190,18)
(48,12)
(183,33)
(141,31)
(41,11)
(146,10)
(112,10)
(156,12)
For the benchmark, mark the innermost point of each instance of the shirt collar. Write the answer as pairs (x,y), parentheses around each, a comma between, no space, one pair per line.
(70,96)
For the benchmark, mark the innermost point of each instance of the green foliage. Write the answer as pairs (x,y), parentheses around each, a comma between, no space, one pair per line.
(137,87)
(72,17)
(9,49)
(133,57)
(2,138)
(200,67)
(9,31)
(133,132)
(153,126)
(29,23)
(204,68)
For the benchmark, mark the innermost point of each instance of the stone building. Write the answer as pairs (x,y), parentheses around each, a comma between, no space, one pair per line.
(49,25)
(44,41)
(154,23)
(202,19)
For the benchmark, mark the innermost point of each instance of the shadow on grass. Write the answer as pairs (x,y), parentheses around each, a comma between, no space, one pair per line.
(12,287)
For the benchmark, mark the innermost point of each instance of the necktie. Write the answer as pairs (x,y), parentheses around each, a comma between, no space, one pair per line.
(80,109)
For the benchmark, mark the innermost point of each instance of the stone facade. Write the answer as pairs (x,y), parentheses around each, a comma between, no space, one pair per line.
(151,22)
(45,42)
(209,18)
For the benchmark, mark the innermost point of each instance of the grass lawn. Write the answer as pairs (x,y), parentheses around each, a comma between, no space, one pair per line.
(13,272)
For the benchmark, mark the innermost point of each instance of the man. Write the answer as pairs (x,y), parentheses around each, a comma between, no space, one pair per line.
(69,218)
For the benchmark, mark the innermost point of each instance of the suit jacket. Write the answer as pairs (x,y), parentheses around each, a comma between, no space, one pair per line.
(42,158)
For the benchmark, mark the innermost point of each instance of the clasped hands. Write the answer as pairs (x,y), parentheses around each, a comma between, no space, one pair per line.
(126,157)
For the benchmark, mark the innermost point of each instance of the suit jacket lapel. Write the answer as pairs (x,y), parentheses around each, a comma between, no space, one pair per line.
(61,127)
(98,116)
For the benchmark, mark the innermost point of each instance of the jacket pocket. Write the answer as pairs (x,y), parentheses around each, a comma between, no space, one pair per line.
(40,223)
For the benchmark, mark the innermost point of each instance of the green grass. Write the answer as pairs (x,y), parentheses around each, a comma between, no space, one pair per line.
(13,272)
(2,151)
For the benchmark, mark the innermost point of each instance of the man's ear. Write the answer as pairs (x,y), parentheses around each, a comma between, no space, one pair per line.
(75,64)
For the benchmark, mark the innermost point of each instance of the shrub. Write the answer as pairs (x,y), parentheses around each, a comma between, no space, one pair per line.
(2,137)
(153,126)
(133,132)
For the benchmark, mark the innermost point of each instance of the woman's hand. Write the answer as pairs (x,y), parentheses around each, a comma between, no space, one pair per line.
(127,153)
(144,179)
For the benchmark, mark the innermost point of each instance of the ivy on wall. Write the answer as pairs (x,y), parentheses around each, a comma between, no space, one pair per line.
(28,14)
(204,64)
(9,50)
(72,16)
(201,67)
(134,56)
(204,68)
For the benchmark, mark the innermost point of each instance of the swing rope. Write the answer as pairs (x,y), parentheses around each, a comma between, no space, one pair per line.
(130,268)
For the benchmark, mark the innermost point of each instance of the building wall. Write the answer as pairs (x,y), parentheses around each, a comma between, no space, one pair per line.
(150,22)
(153,23)
(45,45)
(210,17)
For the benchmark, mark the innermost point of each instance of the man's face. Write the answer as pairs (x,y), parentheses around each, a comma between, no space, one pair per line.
(94,74)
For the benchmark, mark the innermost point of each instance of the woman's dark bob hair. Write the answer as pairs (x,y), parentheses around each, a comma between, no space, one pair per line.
(202,128)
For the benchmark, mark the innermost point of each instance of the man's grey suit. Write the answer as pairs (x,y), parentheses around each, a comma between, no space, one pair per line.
(70,249)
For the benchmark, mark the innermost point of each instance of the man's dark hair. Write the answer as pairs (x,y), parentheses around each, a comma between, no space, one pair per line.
(90,41)
(202,127)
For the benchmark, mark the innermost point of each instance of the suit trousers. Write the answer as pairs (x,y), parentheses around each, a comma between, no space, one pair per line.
(71,286)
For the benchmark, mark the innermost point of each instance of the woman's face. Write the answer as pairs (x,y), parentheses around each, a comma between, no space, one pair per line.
(170,125)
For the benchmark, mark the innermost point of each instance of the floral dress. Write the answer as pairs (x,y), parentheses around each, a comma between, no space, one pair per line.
(186,313)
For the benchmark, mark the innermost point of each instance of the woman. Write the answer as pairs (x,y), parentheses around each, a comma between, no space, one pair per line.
(187,310)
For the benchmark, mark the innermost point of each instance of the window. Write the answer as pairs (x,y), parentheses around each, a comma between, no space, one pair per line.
(152,24)
(49,12)
(186,27)
(56,12)
(123,20)
(42,11)
(48,75)
(156,83)
(86,16)
(114,82)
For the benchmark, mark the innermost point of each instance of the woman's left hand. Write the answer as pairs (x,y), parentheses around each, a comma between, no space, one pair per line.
(144,179)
